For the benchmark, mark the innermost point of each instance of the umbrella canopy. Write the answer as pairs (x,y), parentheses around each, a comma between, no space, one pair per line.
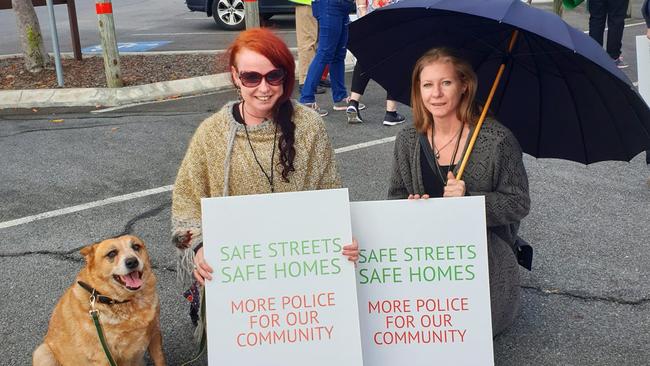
(560,94)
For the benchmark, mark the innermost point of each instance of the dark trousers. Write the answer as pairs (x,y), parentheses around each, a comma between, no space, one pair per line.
(613,12)
(360,81)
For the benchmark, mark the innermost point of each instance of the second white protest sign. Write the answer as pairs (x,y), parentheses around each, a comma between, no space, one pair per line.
(423,286)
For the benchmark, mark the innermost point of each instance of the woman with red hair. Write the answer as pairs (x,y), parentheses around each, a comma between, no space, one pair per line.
(264,142)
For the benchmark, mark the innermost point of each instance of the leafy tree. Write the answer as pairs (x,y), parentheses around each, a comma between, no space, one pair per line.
(31,40)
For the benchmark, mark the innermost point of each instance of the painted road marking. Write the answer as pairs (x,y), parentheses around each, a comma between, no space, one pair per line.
(85,206)
(148,192)
(128,46)
(364,145)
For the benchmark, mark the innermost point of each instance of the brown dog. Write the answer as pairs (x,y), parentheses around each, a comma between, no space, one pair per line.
(119,272)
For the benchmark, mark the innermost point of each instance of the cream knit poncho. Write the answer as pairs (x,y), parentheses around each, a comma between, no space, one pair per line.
(219,162)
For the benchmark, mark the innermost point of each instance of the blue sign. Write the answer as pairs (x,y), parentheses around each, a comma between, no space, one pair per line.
(128,47)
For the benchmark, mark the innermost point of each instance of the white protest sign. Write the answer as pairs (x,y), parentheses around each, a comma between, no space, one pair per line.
(422,282)
(643,66)
(282,293)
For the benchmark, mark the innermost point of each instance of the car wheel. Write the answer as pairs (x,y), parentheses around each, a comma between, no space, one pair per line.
(229,14)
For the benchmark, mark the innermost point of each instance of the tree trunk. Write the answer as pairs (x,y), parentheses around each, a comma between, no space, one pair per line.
(30,36)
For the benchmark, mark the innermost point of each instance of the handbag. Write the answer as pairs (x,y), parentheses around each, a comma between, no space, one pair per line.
(524,253)
(570,4)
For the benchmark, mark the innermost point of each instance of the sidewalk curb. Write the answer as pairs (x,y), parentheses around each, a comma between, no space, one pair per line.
(113,97)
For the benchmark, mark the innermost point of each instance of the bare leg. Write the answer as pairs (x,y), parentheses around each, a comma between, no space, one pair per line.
(391,105)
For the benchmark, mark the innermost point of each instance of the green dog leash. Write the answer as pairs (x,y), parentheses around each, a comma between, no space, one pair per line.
(94,313)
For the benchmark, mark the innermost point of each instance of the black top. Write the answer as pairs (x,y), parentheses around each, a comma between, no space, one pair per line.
(236,114)
(431,179)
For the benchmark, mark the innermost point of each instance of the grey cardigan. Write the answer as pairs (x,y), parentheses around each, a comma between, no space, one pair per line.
(494,170)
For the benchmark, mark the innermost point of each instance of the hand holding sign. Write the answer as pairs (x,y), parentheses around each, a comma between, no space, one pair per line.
(352,251)
(202,270)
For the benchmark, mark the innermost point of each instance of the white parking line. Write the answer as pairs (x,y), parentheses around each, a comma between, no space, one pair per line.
(85,206)
(148,192)
(363,145)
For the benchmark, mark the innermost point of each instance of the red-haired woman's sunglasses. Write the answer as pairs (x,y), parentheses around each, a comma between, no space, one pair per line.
(251,79)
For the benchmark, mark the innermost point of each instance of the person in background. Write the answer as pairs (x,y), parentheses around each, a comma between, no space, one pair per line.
(613,13)
(261,143)
(306,39)
(427,156)
(360,80)
(333,19)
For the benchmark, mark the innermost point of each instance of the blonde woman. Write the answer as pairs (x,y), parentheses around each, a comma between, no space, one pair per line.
(427,156)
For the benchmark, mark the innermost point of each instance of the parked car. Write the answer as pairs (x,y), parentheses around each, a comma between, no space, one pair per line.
(229,14)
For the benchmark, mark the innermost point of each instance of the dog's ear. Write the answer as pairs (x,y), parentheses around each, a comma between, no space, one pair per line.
(88,252)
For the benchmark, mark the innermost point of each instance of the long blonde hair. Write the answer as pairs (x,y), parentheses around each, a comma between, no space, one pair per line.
(468,111)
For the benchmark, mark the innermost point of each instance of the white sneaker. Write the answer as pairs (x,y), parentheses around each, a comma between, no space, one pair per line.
(354,116)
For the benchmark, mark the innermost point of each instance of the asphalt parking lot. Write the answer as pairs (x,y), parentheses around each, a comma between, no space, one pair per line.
(91,176)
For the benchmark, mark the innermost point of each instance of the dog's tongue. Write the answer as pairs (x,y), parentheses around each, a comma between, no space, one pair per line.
(132,280)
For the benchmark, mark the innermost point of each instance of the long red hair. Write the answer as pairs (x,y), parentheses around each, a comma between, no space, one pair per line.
(266,43)
(269,45)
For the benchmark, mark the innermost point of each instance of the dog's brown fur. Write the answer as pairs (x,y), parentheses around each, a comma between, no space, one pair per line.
(130,328)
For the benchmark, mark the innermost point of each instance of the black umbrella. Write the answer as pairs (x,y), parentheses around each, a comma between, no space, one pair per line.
(560,94)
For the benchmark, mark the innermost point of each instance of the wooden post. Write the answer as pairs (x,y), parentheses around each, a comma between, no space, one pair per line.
(104,10)
(251,14)
(74,29)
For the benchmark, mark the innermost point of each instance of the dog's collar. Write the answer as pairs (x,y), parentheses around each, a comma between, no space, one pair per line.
(99,297)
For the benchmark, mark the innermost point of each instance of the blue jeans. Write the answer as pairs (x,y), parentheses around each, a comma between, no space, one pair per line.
(333,19)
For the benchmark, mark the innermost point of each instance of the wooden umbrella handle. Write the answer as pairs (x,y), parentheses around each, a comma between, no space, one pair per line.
(497,79)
